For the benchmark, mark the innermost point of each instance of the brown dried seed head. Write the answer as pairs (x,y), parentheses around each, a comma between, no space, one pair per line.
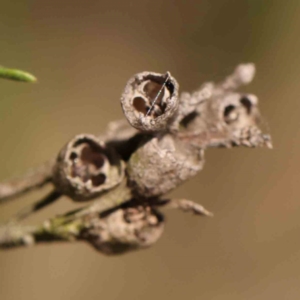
(239,110)
(161,165)
(85,168)
(223,121)
(150,101)
(124,230)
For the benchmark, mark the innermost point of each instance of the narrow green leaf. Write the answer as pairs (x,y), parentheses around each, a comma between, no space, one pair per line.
(17,75)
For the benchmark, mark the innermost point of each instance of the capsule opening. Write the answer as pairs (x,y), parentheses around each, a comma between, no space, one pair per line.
(87,161)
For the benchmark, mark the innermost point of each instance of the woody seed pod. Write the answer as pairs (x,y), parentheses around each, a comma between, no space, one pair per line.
(228,119)
(86,167)
(161,165)
(150,101)
(124,230)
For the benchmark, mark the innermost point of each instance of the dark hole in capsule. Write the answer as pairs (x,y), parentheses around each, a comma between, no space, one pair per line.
(170,87)
(228,116)
(98,179)
(247,103)
(152,90)
(228,109)
(155,94)
(73,156)
(91,159)
(140,105)
(91,155)
(189,118)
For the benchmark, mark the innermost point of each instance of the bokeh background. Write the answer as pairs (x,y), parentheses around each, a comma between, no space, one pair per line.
(83,52)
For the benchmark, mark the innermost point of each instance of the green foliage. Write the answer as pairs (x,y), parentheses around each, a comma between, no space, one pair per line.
(16,75)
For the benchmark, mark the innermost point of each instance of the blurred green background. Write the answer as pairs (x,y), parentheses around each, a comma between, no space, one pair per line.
(83,52)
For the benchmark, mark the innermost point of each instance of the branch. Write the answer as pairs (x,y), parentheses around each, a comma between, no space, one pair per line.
(185,206)
(33,179)
(35,207)
(125,173)
(128,227)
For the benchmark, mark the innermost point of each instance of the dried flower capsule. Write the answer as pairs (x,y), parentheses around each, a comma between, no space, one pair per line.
(86,167)
(228,119)
(161,165)
(124,230)
(150,101)
(242,117)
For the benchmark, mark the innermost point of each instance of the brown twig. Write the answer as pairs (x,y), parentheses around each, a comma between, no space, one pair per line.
(186,206)
(52,197)
(33,179)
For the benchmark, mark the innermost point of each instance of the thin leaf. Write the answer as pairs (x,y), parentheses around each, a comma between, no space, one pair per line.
(16,75)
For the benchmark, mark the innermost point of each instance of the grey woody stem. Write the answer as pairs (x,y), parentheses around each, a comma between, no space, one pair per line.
(35,207)
(34,178)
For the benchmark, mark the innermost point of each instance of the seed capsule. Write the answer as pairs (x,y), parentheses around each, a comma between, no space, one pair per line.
(161,165)
(86,167)
(124,230)
(150,101)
